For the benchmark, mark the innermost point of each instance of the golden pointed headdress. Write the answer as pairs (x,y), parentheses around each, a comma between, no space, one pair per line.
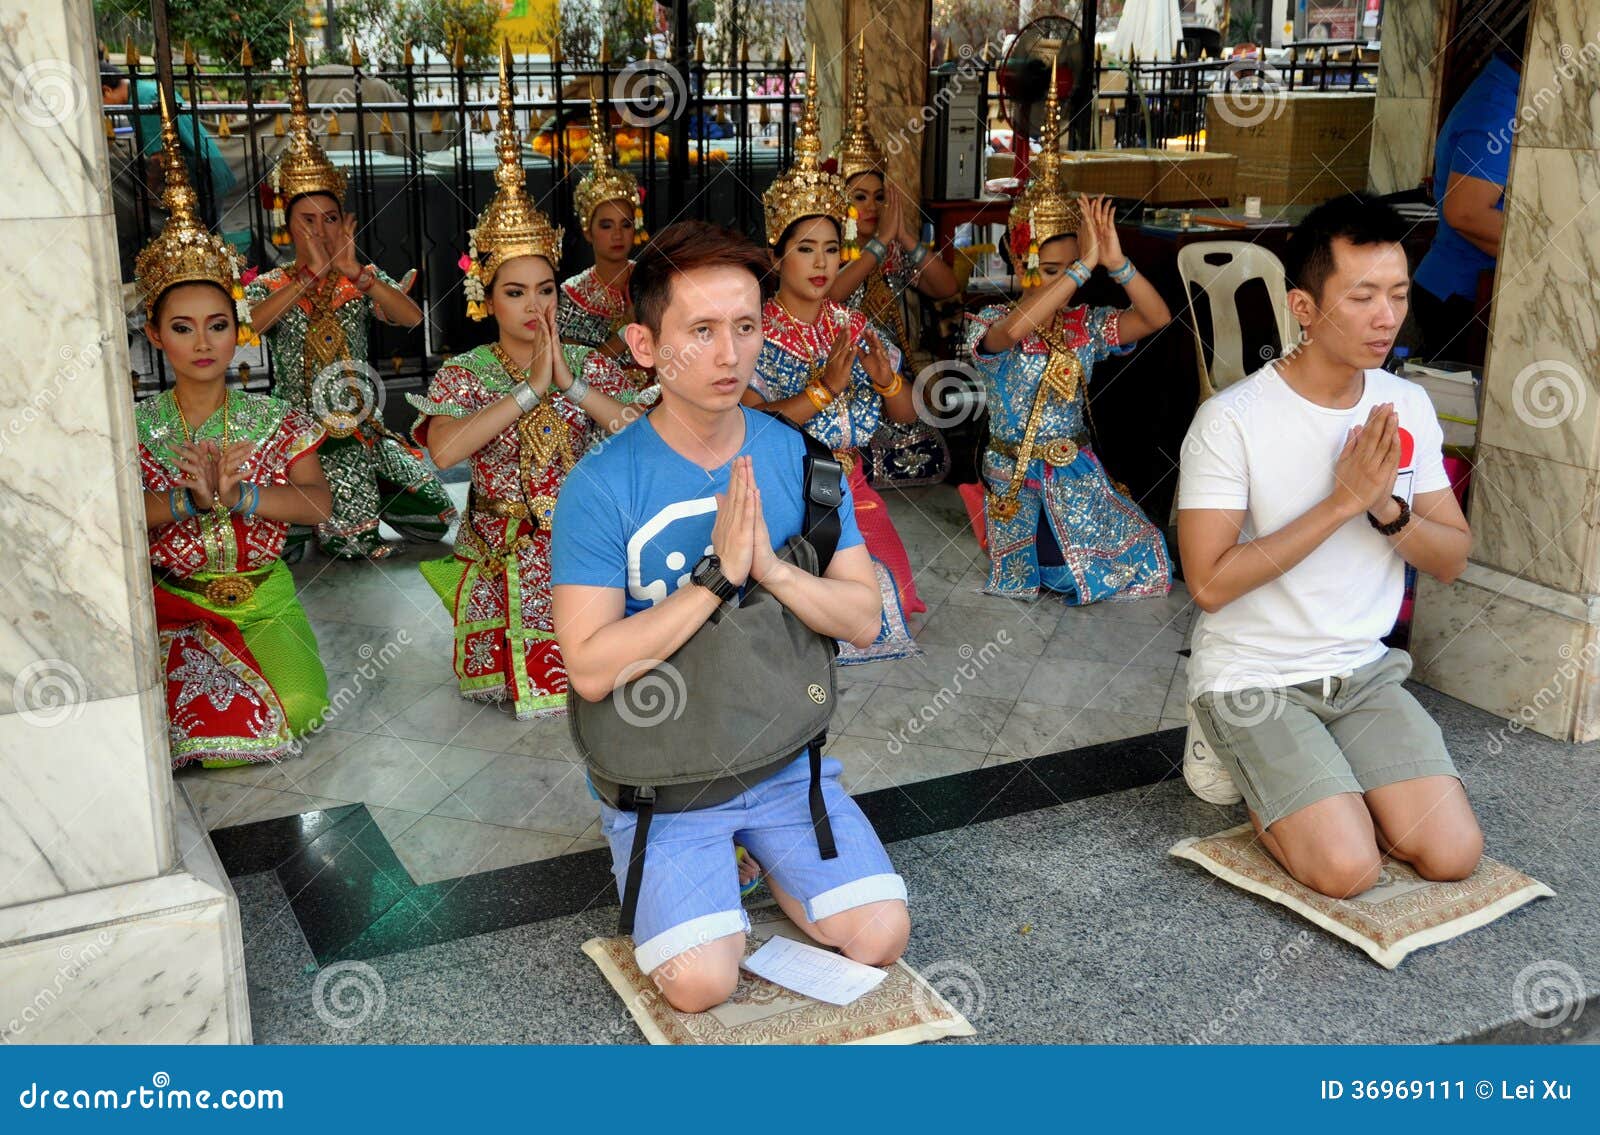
(604,182)
(512,225)
(805,189)
(303,167)
(859,151)
(186,252)
(1044,210)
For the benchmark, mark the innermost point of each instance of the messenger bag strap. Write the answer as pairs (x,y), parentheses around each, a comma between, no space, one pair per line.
(824,492)
(642,802)
(819,810)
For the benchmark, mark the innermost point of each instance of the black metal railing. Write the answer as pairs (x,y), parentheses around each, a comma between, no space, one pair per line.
(420,164)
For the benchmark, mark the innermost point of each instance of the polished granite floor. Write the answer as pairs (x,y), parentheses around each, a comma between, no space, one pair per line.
(457,787)
(1044,905)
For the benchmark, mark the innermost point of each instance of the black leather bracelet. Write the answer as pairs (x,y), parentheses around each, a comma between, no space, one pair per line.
(1398,522)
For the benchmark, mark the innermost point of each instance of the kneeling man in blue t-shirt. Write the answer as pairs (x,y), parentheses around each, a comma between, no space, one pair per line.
(653,532)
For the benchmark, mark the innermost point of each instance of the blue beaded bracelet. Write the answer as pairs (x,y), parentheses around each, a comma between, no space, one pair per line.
(1079,271)
(1125,274)
(249,491)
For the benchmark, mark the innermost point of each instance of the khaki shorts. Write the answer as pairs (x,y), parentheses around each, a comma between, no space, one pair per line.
(1292,746)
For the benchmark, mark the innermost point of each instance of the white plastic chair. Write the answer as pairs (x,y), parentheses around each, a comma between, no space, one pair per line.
(1219,268)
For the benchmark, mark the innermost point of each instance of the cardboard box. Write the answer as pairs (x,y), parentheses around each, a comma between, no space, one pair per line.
(1293,147)
(1183,178)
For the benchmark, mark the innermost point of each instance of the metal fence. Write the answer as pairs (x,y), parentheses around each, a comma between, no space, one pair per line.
(1168,100)
(417,142)
(704,141)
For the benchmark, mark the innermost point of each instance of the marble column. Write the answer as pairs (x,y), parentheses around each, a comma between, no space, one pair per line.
(1405,116)
(897,74)
(1519,633)
(117,923)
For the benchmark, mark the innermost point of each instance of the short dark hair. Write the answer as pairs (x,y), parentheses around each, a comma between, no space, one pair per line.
(111,75)
(683,247)
(1359,218)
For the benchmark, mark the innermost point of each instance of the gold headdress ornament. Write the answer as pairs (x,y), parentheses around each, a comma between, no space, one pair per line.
(512,225)
(805,189)
(604,182)
(858,150)
(186,252)
(304,166)
(1044,211)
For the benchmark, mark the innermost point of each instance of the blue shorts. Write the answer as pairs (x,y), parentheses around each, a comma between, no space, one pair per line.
(689,893)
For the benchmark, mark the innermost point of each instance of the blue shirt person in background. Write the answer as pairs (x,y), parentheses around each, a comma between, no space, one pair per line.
(1471,164)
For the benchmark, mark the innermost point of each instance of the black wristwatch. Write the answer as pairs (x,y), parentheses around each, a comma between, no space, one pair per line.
(708,574)
(1397,523)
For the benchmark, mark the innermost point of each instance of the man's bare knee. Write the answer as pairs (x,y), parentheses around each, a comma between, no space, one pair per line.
(875,934)
(1342,873)
(703,977)
(1446,861)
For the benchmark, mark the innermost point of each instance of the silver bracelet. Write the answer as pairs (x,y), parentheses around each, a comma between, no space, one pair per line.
(918,254)
(876,247)
(526,397)
(578,391)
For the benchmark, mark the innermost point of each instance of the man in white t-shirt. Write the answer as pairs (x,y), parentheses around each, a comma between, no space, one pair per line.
(1304,491)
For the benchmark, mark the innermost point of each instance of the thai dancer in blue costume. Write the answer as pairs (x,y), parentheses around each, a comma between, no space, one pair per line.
(824,368)
(1053,518)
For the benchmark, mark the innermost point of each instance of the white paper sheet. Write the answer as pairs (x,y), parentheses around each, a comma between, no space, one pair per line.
(819,974)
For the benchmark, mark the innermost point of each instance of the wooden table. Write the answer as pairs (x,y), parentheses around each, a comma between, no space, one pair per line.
(949,215)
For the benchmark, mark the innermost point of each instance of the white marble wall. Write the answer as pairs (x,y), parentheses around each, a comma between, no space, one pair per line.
(1536,486)
(159,961)
(88,840)
(1405,119)
(77,637)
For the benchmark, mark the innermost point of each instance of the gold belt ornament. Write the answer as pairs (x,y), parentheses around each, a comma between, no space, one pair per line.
(340,424)
(1062,375)
(1057,452)
(220,591)
(848,459)
(541,511)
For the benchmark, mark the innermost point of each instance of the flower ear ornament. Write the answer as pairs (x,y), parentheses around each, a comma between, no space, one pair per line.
(247,336)
(473,285)
(851,249)
(277,218)
(1031,276)
(639,235)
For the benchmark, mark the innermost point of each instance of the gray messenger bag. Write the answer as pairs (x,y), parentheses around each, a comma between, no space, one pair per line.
(732,706)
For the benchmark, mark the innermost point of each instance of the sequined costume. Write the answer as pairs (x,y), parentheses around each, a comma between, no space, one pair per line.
(790,354)
(319,346)
(1110,550)
(243,675)
(497,584)
(588,312)
(901,454)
